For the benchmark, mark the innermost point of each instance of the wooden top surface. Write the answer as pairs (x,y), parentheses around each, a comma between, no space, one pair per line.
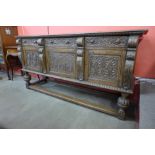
(114,33)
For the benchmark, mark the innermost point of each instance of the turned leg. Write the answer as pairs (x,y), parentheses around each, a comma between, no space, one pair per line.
(123,104)
(7,70)
(27,79)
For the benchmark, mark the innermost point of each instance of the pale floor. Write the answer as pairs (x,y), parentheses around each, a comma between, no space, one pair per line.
(22,108)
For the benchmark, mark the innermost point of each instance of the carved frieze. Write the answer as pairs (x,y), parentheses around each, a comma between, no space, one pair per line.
(103,67)
(61,42)
(32,42)
(107,41)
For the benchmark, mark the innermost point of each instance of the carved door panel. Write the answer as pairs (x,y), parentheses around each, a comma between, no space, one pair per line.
(104,66)
(62,62)
(32,60)
(33,55)
(105,59)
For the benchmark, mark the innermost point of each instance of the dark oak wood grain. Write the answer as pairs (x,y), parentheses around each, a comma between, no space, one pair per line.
(101,60)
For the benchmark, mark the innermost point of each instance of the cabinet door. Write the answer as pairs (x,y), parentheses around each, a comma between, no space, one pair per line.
(33,55)
(104,66)
(61,57)
(104,60)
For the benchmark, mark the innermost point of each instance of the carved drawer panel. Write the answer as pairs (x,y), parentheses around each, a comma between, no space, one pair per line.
(61,42)
(61,62)
(104,67)
(107,41)
(30,42)
(35,42)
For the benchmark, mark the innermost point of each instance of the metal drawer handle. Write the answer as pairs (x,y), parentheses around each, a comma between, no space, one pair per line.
(67,42)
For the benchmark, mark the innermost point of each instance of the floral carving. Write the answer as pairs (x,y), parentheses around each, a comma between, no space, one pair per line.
(103,67)
(61,42)
(107,41)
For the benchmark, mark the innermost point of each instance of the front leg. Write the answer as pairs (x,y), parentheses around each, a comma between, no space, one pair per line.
(27,78)
(123,104)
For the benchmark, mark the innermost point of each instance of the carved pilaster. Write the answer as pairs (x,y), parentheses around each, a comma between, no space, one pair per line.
(41,53)
(40,42)
(123,104)
(128,79)
(27,79)
(80,58)
(18,41)
(41,59)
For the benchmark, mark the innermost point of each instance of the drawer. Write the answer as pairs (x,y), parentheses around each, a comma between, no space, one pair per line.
(33,42)
(106,42)
(61,42)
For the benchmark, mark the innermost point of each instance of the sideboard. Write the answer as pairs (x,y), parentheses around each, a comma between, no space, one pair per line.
(97,60)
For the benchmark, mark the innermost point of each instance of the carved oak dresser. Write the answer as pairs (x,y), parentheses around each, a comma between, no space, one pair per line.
(103,61)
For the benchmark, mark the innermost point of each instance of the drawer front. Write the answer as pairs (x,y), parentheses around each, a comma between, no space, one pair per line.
(106,42)
(61,42)
(30,42)
(104,66)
